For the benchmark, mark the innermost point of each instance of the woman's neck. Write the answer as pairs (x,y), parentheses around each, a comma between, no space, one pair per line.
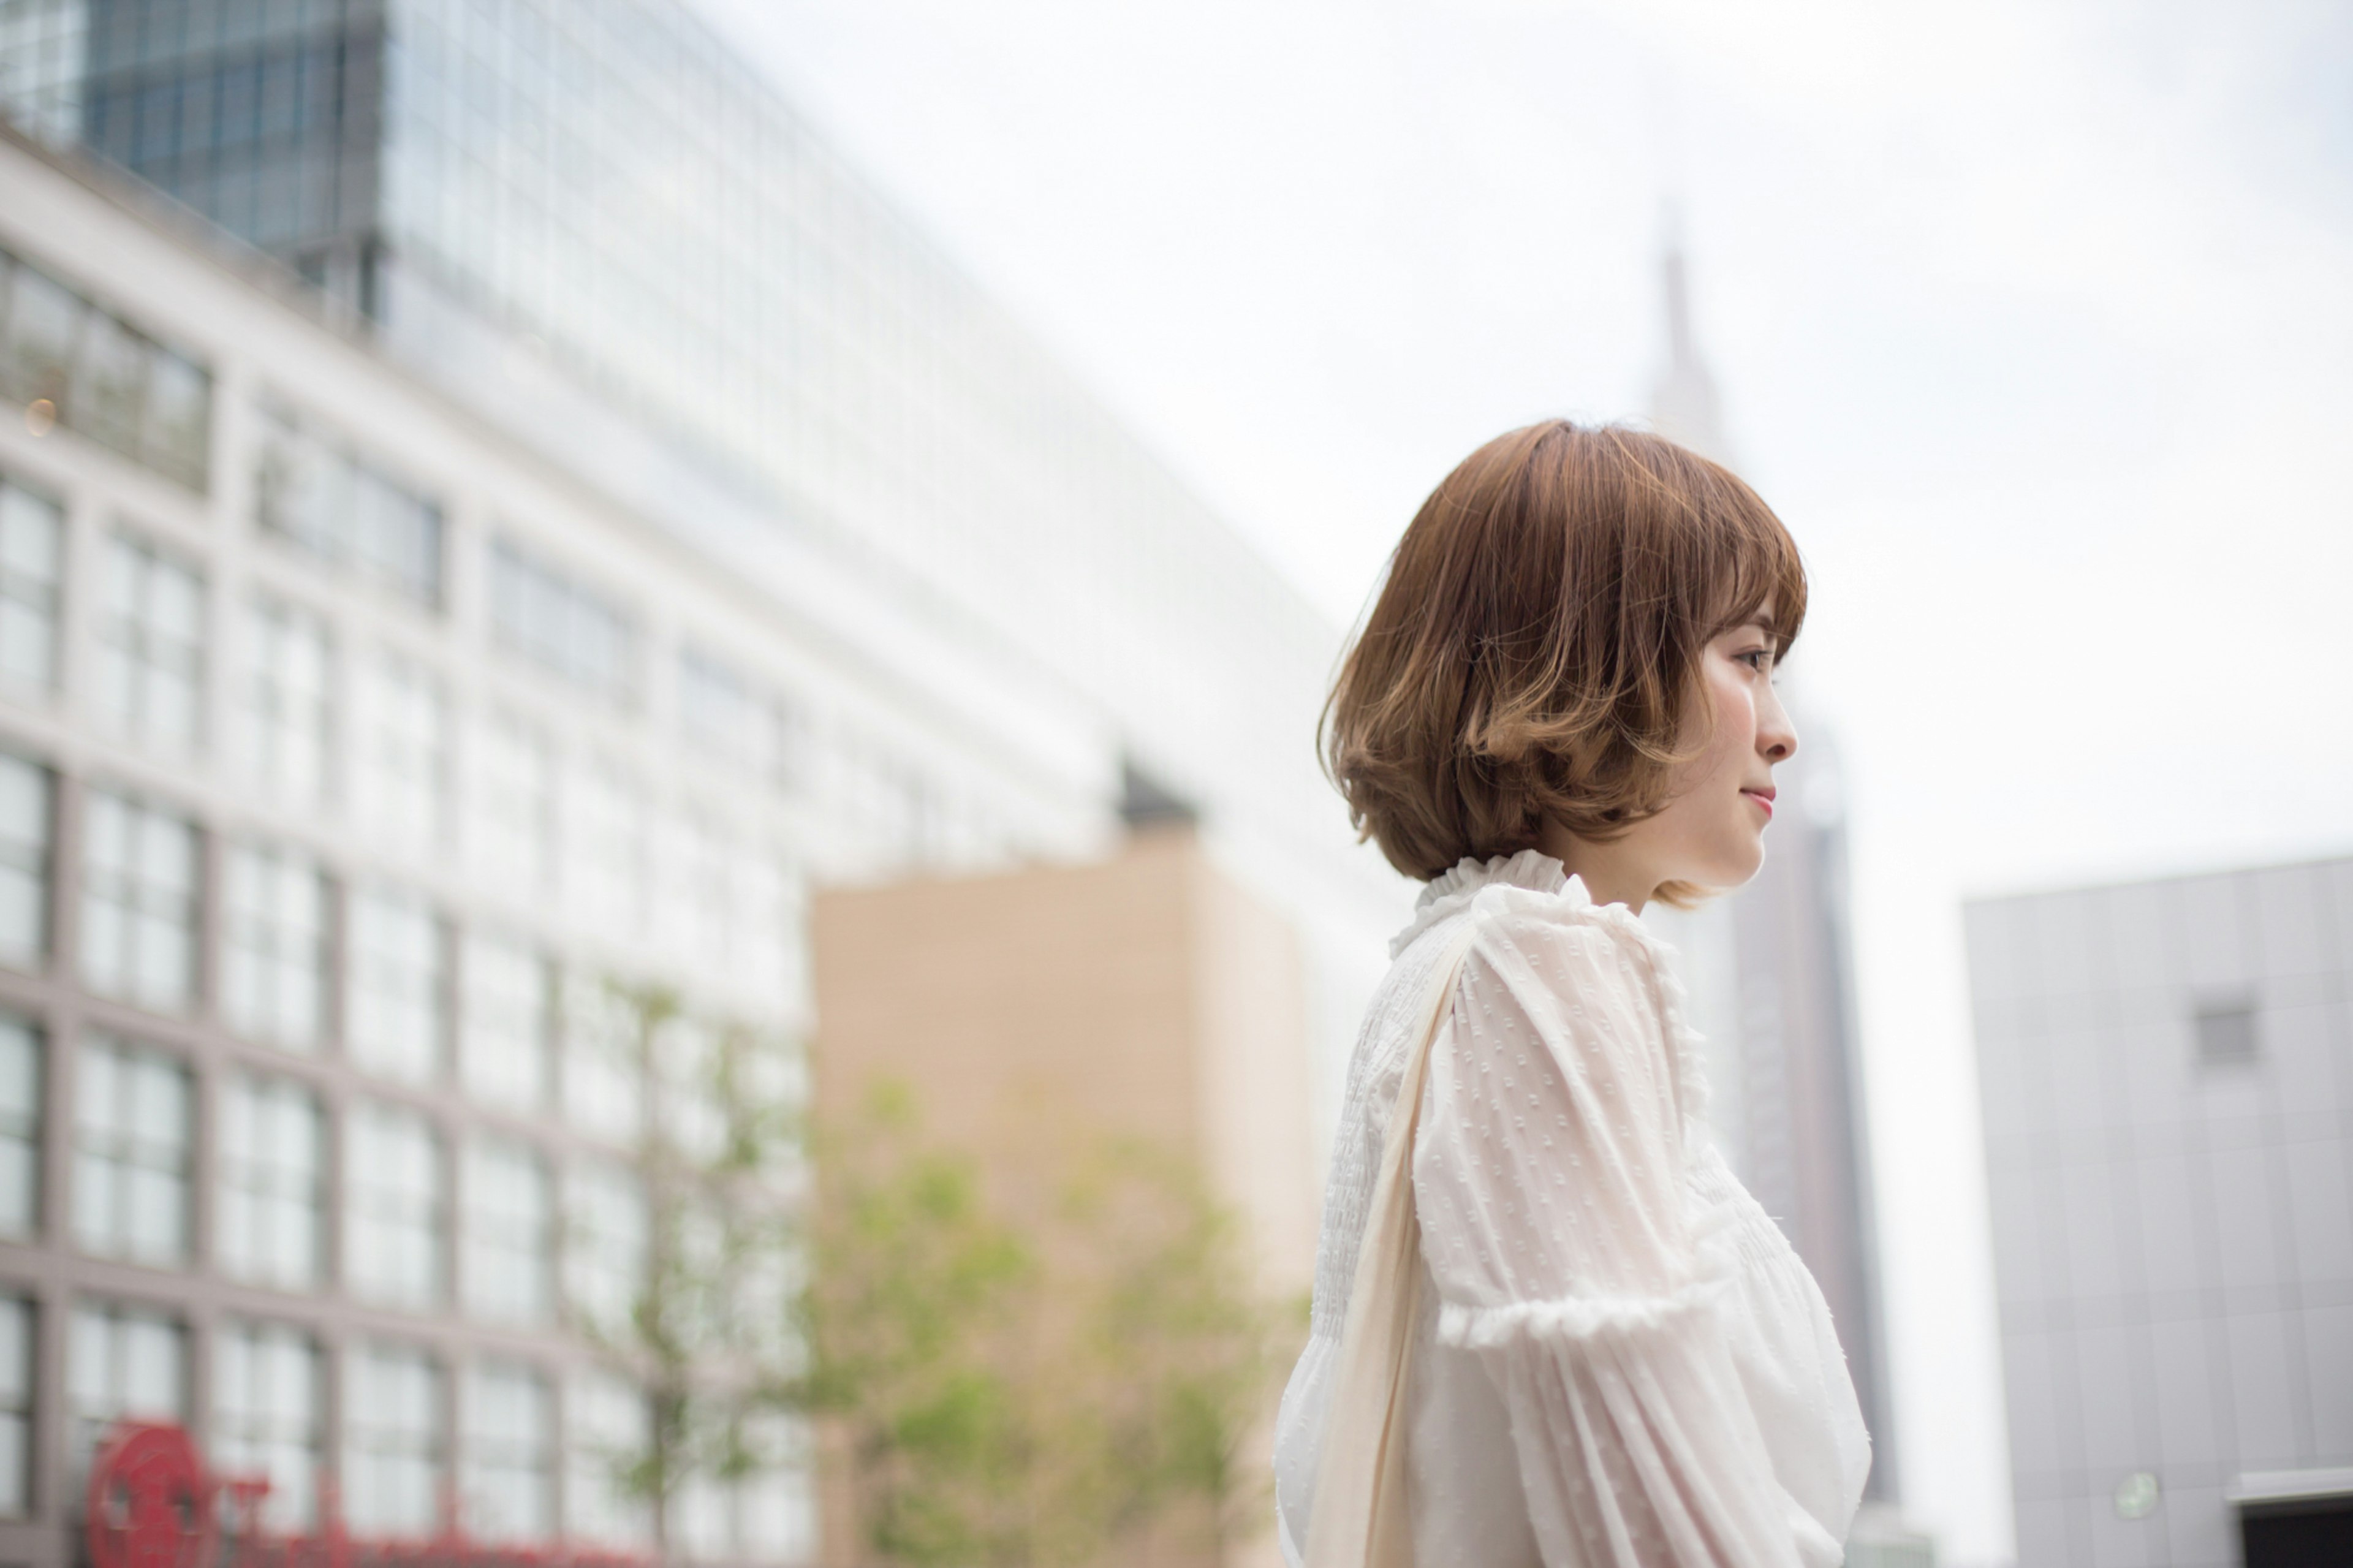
(1613,873)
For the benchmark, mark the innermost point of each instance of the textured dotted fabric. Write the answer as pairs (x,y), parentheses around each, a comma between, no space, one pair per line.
(1620,1361)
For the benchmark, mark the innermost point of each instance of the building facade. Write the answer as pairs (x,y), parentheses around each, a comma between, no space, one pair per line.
(2166,1069)
(348,743)
(1771,976)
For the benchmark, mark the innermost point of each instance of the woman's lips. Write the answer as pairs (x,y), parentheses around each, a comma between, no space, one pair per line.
(1765,801)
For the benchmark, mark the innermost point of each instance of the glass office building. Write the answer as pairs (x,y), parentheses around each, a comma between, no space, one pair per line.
(2166,1069)
(523,512)
(642,219)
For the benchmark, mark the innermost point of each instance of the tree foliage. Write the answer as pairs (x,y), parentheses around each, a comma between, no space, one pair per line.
(1072,1385)
(1076,1379)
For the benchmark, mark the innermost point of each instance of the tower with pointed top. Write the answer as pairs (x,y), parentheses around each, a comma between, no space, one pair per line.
(1769,972)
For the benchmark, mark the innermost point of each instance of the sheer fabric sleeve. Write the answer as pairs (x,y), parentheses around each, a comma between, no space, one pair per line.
(1548,1175)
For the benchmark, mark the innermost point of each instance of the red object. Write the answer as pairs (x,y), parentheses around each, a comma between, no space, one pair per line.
(151,1504)
(148,1505)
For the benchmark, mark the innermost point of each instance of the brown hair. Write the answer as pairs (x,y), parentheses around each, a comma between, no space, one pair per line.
(1538,638)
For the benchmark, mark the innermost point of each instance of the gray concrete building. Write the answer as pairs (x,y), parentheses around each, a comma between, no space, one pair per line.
(1770,974)
(2165,1070)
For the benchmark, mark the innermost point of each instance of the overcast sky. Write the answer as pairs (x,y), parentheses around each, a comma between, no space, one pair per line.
(2033,320)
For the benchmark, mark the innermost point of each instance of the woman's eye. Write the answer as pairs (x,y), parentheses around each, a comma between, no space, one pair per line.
(1757,658)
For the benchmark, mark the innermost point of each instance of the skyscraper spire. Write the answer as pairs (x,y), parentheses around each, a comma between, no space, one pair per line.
(1684,404)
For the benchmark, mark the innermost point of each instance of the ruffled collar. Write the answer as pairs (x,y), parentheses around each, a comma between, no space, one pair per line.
(1448,891)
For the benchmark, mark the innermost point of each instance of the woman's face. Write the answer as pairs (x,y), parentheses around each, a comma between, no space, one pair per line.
(1712,831)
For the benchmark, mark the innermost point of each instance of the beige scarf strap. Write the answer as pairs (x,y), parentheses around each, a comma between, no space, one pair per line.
(1359,1517)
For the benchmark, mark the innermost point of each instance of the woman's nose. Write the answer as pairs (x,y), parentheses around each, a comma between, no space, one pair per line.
(1777,738)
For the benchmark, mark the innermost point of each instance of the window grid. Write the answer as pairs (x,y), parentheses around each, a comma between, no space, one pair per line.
(139,903)
(609,862)
(272,1178)
(133,1124)
(16,1374)
(509,1231)
(395,1021)
(606,1242)
(394,1206)
(31,530)
(403,756)
(288,702)
(268,1420)
(101,377)
(604,1086)
(548,617)
(274,948)
(515,847)
(507,1026)
(151,647)
(392,1445)
(508,1477)
(608,1424)
(727,715)
(345,512)
(20,1128)
(25,819)
(125,1363)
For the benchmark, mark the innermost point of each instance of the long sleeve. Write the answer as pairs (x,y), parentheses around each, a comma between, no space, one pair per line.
(1549,1179)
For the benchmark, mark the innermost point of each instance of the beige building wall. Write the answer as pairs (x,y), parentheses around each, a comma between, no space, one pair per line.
(1145,997)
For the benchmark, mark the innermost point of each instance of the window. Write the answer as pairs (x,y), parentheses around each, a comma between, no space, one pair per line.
(508,1229)
(403,759)
(101,377)
(508,1477)
(395,1197)
(609,1426)
(603,1089)
(2226,1031)
(30,529)
(345,512)
(554,621)
(605,1234)
(288,702)
(23,861)
(272,1173)
(126,1363)
(506,1057)
(515,826)
(689,1062)
(725,714)
(133,1129)
(394,1019)
(267,1387)
(151,647)
(767,1514)
(697,864)
(16,1406)
(609,861)
(20,1128)
(138,904)
(274,961)
(765,959)
(392,1442)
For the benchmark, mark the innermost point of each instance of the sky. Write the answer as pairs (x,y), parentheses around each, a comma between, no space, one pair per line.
(2031,320)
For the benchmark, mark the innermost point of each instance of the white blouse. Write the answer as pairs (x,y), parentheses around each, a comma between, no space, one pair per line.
(1621,1361)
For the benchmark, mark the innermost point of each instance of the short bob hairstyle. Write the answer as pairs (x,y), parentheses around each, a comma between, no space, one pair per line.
(1537,643)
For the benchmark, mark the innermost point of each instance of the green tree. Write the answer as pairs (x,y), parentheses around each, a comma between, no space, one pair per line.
(1074,1387)
(1069,1383)
(709,1334)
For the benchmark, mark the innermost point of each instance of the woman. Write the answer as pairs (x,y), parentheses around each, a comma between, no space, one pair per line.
(1561,708)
